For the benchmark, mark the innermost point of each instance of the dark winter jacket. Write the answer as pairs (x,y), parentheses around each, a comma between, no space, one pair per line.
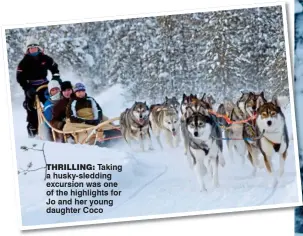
(59,112)
(84,110)
(32,70)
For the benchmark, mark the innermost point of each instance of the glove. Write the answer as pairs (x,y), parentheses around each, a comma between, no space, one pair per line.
(57,77)
(30,93)
(92,122)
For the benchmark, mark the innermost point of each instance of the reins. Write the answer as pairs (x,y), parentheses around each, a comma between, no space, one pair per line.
(229,121)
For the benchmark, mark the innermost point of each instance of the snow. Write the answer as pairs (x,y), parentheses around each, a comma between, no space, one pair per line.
(90,60)
(152,183)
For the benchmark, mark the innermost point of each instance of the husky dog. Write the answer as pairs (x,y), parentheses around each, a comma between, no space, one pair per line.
(233,132)
(184,104)
(209,99)
(205,147)
(249,102)
(189,105)
(251,106)
(163,118)
(134,124)
(271,120)
(245,107)
(172,103)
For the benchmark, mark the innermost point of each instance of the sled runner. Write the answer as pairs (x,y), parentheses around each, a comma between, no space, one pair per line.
(102,134)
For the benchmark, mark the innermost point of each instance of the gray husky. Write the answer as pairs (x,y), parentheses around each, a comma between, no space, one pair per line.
(172,103)
(205,147)
(166,119)
(134,123)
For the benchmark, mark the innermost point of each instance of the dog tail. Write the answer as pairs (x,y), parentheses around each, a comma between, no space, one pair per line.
(281,101)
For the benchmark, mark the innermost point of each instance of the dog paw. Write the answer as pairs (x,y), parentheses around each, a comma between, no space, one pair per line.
(203,190)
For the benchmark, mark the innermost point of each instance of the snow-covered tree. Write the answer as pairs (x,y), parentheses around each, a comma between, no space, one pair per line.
(218,52)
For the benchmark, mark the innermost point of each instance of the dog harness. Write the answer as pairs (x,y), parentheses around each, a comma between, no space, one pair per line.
(201,146)
(276,146)
(139,124)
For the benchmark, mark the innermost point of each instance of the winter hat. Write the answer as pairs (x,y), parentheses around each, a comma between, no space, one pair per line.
(33,42)
(79,87)
(66,85)
(53,84)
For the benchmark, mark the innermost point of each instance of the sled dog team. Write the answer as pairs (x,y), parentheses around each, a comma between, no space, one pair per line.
(253,127)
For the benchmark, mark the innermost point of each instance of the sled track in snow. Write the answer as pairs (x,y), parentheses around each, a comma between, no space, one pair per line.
(134,194)
(147,183)
(273,191)
(274,188)
(270,195)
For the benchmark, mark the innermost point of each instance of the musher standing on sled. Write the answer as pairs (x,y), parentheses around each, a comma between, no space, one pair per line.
(31,74)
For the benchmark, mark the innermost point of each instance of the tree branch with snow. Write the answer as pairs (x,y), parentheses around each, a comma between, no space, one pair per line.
(30,164)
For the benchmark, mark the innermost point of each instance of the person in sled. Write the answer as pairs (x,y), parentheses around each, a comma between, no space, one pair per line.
(59,108)
(53,96)
(32,73)
(82,112)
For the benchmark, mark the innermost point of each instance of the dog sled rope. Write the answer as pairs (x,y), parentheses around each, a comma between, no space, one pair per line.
(229,121)
(106,125)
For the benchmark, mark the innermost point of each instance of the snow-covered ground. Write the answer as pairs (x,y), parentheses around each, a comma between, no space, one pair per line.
(152,183)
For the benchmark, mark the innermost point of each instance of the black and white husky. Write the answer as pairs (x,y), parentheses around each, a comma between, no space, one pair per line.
(204,147)
(191,104)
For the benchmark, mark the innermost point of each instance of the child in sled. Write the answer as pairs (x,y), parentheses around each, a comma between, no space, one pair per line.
(52,95)
(59,110)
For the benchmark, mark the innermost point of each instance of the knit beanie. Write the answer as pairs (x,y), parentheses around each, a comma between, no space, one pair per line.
(66,85)
(53,84)
(79,87)
(33,42)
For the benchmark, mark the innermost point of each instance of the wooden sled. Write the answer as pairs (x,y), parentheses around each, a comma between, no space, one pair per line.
(91,133)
